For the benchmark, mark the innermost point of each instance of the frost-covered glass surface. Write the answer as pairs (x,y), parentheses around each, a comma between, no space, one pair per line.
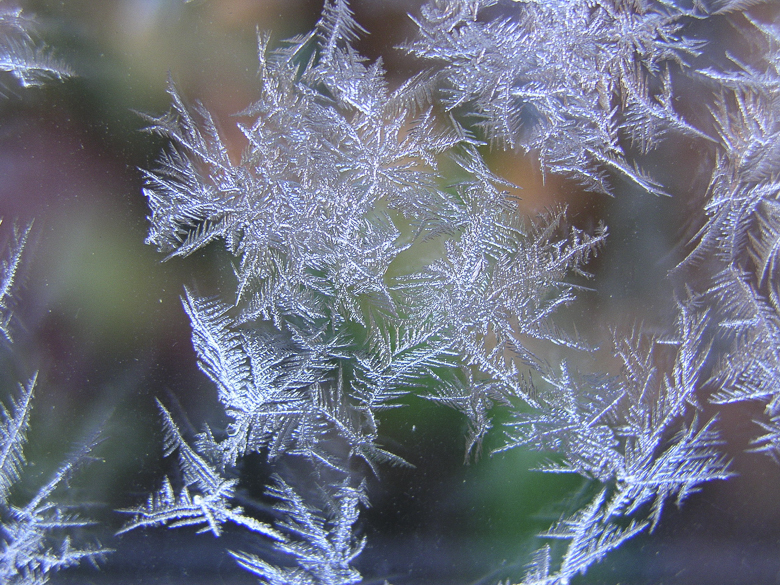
(433,292)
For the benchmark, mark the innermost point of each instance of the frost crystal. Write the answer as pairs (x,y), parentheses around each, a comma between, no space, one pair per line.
(22,57)
(35,539)
(574,82)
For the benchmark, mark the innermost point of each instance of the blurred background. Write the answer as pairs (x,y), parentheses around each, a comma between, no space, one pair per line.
(100,316)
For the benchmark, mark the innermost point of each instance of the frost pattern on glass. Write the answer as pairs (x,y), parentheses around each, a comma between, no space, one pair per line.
(340,180)
(35,537)
(10,266)
(42,536)
(204,499)
(27,60)
(339,177)
(635,434)
(742,230)
(573,82)
(322,543)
